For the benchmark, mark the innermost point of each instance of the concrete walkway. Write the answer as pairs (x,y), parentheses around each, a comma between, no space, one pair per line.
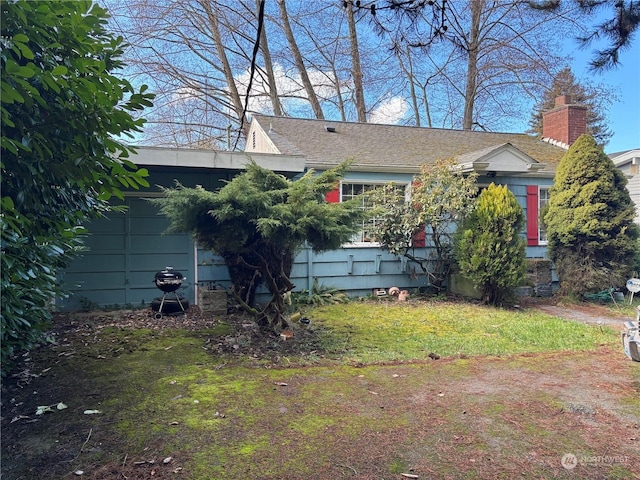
(592,315)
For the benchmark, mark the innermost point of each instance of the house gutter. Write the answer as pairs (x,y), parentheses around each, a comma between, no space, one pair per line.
(214,159)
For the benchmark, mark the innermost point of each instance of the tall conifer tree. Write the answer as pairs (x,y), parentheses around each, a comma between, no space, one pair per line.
(597,98)
(592,236)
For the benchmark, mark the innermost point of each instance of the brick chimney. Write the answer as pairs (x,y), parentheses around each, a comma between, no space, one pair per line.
(565,122)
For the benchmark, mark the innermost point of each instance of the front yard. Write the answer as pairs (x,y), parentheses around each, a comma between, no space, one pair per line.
(368,390)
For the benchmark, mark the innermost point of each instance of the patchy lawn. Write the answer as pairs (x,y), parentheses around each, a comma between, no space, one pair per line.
(366,391)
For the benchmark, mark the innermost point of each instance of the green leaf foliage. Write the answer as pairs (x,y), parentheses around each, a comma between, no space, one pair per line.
(590,227)
(440,196)
(488,245)
(61,108)
(258,222)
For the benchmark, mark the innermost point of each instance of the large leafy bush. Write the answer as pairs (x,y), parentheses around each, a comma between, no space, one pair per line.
(62,106)
(440,197)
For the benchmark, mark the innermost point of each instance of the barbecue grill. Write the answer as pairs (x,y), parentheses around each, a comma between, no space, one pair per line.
(169,281)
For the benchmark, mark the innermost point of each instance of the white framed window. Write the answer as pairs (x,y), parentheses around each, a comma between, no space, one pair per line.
(350,190)
(543,200)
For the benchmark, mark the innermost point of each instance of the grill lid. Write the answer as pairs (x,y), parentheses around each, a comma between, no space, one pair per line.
(168,280)
(168,275)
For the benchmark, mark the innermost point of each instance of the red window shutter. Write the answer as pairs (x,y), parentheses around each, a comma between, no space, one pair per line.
(532,215)
(333,196)
(415,184)
(419,239)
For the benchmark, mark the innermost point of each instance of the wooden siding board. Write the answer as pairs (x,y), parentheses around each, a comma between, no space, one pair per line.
(330,268)
(633,186)
(110,243)
(106,225)
(81,283)
(99,263)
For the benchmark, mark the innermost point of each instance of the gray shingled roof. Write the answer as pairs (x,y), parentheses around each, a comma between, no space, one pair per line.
(392,147)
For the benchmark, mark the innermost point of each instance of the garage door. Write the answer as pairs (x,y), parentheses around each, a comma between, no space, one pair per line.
(124,252)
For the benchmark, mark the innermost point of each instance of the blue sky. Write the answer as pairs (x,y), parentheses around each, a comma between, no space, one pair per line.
(624,114)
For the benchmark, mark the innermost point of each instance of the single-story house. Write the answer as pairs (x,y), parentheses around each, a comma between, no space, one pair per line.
(629,163)
(125,250)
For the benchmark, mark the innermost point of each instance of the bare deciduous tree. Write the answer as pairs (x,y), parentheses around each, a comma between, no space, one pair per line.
(356,70)
(472,64)
(302,70)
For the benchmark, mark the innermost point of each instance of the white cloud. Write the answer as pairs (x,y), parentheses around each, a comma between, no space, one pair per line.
(288,86)
(292,94)
(390,111)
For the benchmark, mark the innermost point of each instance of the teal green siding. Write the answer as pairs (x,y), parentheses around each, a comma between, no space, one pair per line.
(124,251)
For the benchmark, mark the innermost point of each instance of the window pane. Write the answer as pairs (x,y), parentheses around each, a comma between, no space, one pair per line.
(543,200)
(351,190)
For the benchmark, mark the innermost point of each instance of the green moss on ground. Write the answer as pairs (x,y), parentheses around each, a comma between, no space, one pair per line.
(377,405)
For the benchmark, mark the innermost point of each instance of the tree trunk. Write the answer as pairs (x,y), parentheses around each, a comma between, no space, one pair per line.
(236,101)
(340,100)
(427,110)
(408,71)
(295,51)
(356,70)
(268,64)
(476,7)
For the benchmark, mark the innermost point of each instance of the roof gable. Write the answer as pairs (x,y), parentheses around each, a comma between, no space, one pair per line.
(627,157)
(500,158)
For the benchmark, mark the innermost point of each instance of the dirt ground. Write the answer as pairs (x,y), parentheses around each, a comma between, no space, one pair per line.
(457,418)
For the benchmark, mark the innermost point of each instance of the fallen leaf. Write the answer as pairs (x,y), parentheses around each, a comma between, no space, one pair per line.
(281,384)
(373,393)
(22,417)
(91,412)
(409,475)
(167,460)
(61,406)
